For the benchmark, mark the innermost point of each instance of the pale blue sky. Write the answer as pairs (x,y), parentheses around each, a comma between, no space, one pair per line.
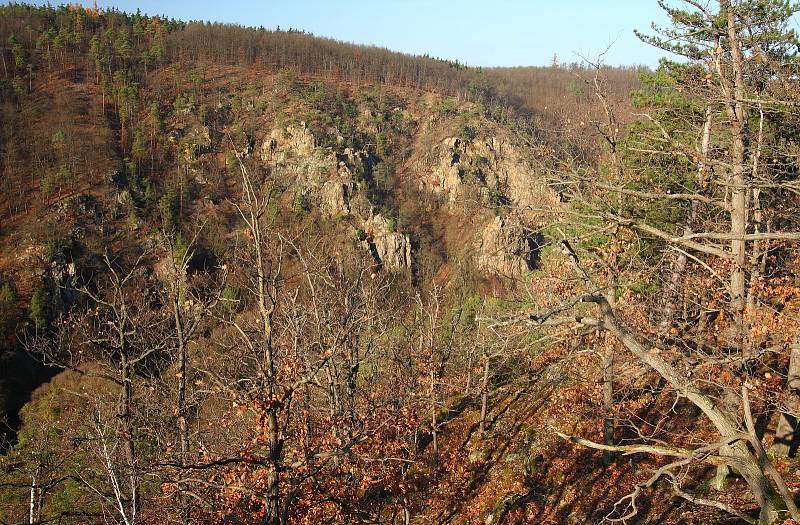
(476,32)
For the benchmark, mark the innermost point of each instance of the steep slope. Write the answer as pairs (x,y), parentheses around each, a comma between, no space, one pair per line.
(122,153)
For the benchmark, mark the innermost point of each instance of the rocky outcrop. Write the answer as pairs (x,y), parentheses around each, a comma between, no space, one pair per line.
(352,163)
(332,181)
(506,247)
(293,150)
(451,170)
(518,179)
(330,178)
(64,275)
(193,140)
(491,168)
(494,166)
(335,196)
(291,141)
(392,250)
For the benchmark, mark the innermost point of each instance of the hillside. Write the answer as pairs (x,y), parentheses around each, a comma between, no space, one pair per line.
(252,276)
(77,85)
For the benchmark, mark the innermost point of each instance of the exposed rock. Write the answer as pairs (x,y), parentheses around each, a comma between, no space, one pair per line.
(391,249)
(576,518)
(447,173)
(195,141)
(498,169)
(167,270)
(394,251)
(449,170)
(63,273)
(269,148)
(352,163)
(82,206)
(295,152)
(499,173)
(202,136)
(520,183)
(199,176)
(368,120)
(329,177)
(335,196)
(291,141)
(506,247)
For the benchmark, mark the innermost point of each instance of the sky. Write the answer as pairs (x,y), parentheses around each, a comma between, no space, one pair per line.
(474,32)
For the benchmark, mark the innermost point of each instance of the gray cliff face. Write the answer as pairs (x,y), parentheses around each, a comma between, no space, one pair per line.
(490,166)
(335,196)
(494,165)
(294,152)
(330,178)
(292,141)
(506,247)
(392,249)
(498,170)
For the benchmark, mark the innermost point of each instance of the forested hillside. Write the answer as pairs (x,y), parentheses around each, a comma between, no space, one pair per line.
(256,276)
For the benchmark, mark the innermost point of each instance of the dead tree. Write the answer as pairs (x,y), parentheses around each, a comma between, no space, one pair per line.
(123,330)
(192,299)
(733,445)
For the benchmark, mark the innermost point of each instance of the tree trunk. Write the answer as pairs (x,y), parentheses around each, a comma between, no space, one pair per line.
(333,390)
(468,384)
(758,218)
(266,309)
(272,515)
(126,416)
(608,365)
(738,453)
(786,432)
(608,403)
(679,264)
(765,462)
(485,393)
(739,189)
(32,505)
(434,421)
(183,429)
